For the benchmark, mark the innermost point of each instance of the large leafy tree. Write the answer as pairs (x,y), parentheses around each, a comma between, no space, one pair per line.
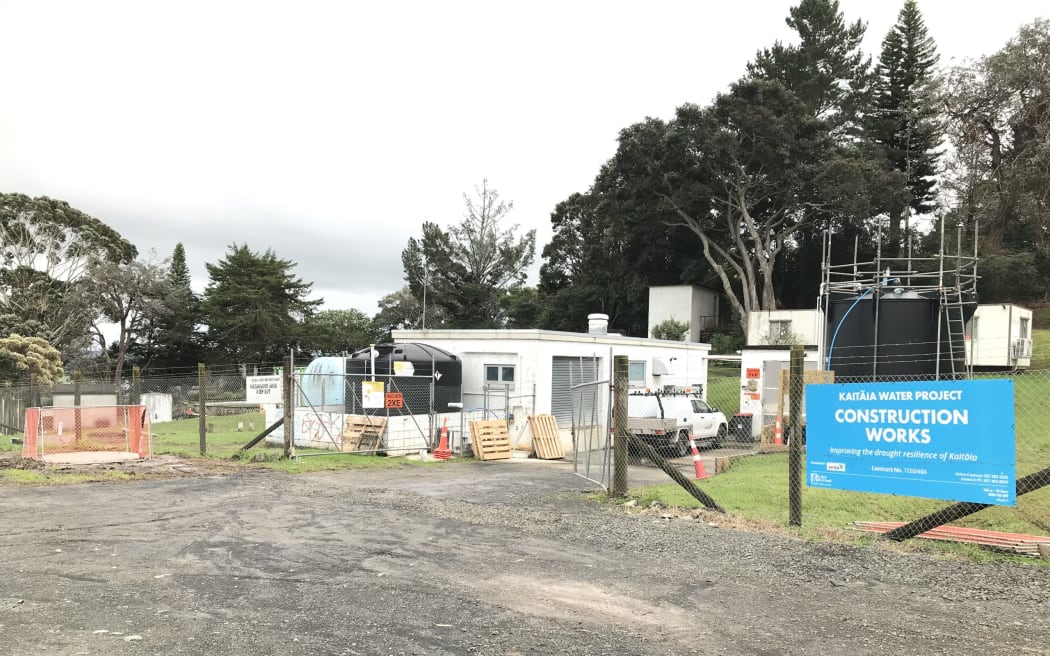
(742,176)
(467,270)
(130,299)
(905,119)
(999,124)
(401,310)
(46,247)
(332,332)
(23,359)
(613,242)
(254,306)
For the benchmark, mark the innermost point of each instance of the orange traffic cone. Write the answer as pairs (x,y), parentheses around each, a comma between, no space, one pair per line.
(698,464)
(778,434)
(443,452)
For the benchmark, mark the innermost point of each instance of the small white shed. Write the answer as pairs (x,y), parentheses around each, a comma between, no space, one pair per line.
(697,306)
(760,368)
(158,405)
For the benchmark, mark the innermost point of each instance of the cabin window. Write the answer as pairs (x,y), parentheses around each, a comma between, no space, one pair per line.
(636,372)
(780,328)
(499,374)
(1024,328)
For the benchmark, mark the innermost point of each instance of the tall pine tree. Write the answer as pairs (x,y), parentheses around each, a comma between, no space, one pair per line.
(828,70)
(177,342)
(904,123)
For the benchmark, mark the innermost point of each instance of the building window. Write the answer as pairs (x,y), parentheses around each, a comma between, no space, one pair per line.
(636,372)
(780,328)
(1024,327)
(499,374)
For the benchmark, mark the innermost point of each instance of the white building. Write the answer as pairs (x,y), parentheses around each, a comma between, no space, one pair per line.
(695,305)
(528,372)
(783,327)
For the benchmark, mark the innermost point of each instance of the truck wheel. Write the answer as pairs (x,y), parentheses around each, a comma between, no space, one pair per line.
(681,445)
(723,434)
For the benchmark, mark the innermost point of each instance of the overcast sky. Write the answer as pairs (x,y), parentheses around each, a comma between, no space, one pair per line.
(330,131)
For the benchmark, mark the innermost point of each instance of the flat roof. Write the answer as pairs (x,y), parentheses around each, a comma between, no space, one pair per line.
(535,334)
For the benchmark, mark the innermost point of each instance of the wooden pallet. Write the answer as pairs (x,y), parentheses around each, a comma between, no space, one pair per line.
(362,433)
(546,438)
(490,440)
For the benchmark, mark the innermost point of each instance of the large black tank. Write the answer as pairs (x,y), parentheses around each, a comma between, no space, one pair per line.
(909,345)
(409,369)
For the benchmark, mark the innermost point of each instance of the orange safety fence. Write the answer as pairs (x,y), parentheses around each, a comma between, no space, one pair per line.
(52,430)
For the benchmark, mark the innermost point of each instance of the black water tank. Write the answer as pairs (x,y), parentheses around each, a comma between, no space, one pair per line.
(909,345)
(409,369)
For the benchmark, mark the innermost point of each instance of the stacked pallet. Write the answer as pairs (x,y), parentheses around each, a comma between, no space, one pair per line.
(546,438)
(490,439)
(362,433)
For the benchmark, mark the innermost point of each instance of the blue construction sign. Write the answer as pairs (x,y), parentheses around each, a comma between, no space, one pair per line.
(949,440)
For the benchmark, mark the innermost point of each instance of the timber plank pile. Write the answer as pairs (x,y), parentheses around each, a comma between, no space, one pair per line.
(546,438)
(490,439)
(362,433)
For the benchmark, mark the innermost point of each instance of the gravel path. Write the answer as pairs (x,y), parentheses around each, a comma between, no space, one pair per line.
(466,558)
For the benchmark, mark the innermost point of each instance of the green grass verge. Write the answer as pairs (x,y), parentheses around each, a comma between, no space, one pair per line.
(51,476)
(182,436)
(1040,348)
(756,488)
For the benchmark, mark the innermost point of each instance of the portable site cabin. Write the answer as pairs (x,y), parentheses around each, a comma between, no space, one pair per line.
(518,373)
(1000,336)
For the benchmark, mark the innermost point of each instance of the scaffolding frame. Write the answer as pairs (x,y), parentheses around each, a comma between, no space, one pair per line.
(952,277)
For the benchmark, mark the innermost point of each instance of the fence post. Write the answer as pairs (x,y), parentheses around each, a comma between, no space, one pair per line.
(78,420)
(618,488)
(202,386)
(796,390)
(136,382)
(34,391)
(289,409)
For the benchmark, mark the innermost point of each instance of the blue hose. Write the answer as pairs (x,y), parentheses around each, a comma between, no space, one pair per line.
(835,335)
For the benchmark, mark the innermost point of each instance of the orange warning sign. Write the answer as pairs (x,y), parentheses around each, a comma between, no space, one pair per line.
(753,372)
(395,400)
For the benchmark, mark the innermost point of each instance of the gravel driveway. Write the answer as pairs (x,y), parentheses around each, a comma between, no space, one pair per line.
(466,558)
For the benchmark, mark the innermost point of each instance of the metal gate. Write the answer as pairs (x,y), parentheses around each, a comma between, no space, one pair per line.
(324,401)
(589,402)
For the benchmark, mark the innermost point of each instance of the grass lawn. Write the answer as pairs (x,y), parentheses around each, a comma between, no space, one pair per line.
(756,487)
(182,436)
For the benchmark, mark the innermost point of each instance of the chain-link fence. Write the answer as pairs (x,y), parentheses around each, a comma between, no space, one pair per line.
(927,450)
(180,404)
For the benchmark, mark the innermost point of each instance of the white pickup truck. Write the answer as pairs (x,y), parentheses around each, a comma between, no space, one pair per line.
(666,422)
